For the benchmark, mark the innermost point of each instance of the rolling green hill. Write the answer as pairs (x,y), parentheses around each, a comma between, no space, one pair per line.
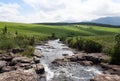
(60,30)
(100,34)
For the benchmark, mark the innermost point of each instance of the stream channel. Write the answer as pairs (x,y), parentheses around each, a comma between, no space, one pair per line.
(54,49)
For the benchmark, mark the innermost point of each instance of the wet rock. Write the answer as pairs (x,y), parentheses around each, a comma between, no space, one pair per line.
(86,63)
(2,64)
(36,59)
(26,66)
(7,69)
(57,61)
(94,58)
(6,57)
(37,54)
(40,69)
(21,60)
(17,50)
(75,58)
(112,69)
(65,54)
(19,75)
(66,48)
(106,77)
(42,79)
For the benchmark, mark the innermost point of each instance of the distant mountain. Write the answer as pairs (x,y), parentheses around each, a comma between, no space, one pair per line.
(108,20)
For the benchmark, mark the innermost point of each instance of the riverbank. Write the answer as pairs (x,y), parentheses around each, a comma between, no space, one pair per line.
(66,60)
(109,72)
(54,61)
(14,67)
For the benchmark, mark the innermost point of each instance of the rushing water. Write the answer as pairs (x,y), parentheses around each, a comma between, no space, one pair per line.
(69,72)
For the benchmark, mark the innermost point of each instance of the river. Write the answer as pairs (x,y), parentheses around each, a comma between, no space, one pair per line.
(54,49)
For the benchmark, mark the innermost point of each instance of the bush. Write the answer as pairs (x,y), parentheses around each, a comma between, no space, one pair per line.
(79,43)
(92,46)
(32,41)
(29,50)
(73,43)
(7,44)
(115,55)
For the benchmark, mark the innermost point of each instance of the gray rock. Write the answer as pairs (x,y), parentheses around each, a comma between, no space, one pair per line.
(19,75)
(2,64)
(94,58)
(40,69)
(86,63)
(6,57)
(7,69)
(36,59)
(106,77)
(21,60)
(37,54)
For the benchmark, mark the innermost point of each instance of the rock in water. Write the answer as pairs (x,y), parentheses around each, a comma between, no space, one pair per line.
(106,77)
(40,69)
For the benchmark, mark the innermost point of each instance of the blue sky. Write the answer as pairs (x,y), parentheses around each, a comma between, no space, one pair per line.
(31,11)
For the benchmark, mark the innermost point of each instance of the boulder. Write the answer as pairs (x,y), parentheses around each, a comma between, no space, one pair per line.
(65,54)
(57,61)
(37,54)
(75,58)
(25,66)
(86,63)
(36,60)
(111,69)
(40,69)
(106,77)
(6,57)
(7,69)
(19,75)
(21,60)
(94,58)
(2,64)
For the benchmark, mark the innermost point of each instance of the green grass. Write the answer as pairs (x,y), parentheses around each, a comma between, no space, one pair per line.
(103,35)
(46,30)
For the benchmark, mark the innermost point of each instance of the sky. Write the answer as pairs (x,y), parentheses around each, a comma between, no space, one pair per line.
(38,11)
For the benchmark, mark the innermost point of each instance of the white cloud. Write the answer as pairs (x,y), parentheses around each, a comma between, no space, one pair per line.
(10,12)
(61,10)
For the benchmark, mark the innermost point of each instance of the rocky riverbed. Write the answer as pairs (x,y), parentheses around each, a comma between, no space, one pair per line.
(63,63)
(54,61)
(15,67)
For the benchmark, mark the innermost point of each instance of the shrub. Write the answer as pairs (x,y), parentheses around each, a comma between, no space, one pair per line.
(73,43)
(7,44)
(79,43)
(32,41)
(115,55)
(29,50)
(92,46)
(5,30)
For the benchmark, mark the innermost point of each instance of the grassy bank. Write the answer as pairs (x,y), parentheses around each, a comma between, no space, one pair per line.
(26,32)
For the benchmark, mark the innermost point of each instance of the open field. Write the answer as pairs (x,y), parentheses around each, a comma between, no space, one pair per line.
(102,35)
(64,30)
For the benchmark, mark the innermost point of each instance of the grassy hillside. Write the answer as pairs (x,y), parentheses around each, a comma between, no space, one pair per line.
(99,34)
(82,37)
(64,30)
